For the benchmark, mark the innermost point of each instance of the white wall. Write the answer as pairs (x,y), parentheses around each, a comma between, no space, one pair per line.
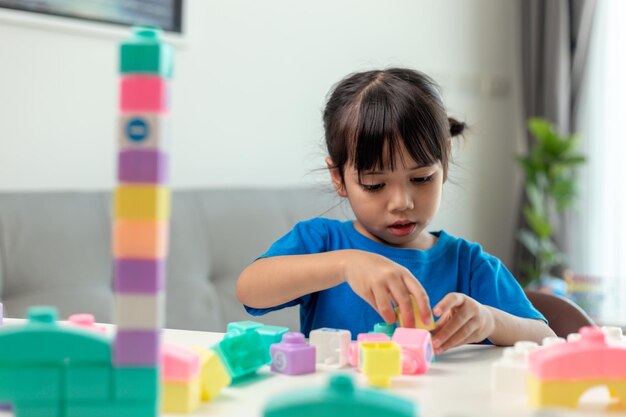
(250,82)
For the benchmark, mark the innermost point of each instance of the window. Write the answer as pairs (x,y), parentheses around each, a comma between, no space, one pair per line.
(165,14)
(601,231)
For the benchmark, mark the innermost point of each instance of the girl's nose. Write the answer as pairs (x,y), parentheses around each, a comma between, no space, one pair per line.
(400,199)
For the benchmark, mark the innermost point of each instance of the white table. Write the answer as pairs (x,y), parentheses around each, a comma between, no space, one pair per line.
(458,384)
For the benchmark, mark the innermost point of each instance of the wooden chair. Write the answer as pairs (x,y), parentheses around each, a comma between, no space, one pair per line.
(563,315)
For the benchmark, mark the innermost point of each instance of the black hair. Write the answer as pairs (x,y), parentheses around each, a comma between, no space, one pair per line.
(369,115)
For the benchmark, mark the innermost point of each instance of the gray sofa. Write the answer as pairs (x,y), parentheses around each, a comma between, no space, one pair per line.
(55,250)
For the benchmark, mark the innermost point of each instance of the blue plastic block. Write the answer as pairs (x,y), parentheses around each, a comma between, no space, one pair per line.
(339,399)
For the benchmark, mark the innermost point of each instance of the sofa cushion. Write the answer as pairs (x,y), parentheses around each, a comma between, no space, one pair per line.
(55,249)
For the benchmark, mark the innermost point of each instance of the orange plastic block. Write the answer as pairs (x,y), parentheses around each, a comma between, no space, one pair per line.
(142,202)
(140,239)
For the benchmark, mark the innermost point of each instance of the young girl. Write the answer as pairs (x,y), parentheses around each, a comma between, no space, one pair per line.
(389,140)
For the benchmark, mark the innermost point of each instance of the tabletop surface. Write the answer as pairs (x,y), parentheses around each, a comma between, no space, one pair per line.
(458,384)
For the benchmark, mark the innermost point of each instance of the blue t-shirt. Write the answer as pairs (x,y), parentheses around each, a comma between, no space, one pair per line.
(451,265)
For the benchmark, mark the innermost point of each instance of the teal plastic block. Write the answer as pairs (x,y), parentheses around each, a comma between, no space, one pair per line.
(30,383)
(42,340)
(38,409)
(89,382)
(339,399)
(111,409)
(242,354)
(271,334)
(146,53)
(384,328)
(238,327)
(136,384)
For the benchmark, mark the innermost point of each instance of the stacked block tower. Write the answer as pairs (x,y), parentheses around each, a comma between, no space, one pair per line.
(142,200)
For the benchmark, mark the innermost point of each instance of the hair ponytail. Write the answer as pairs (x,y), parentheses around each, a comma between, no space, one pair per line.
(456,128)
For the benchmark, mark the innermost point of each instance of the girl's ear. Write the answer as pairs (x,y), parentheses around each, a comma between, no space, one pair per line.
(335,177)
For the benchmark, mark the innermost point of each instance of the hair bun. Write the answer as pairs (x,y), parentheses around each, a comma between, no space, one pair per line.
(456,127)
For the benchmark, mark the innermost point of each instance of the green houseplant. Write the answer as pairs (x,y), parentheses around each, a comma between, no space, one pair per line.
(550,185)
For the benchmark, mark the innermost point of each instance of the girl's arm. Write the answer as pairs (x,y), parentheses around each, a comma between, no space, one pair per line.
(382,283)
(509,329)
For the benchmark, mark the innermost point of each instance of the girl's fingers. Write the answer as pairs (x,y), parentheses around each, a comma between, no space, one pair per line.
(421,298)
(449,302)
(402,300)
(383,305)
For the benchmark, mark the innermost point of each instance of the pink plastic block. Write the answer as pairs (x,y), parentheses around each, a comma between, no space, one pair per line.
(353,350)
(417,349)
(293,356)
(144,93)
(85,321)
(144,276)
(137,347)
(142,166)
(590,357)
(179,363)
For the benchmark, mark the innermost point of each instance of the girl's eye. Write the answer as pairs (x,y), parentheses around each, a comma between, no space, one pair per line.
(422,180)
(372,187)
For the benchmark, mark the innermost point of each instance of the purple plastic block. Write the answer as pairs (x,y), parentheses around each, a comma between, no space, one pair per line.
(143,276)
(137,347)
(293,356)
(142,166)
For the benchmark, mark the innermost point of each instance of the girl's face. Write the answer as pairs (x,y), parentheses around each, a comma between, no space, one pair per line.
(394,207)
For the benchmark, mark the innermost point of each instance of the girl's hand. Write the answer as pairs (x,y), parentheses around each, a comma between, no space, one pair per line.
(382,282)
(461,320)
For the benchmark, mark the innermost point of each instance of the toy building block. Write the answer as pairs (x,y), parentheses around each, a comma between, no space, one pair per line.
(213,374)
(135,384)
(341,398)
(137,348)
(572,337)
(139,276)
(86,322)
(180,375)
(139,311)
(143,131)
(1,314)
(419,323)
(384,328)
(380,361)
(272,334)
(614,335)
(140,239)
(242,354)
(331,346)
(142,202)
(178,363)
(142,166)
(293,356)
(509,373)
(417,349)
(552,340)
(145,53)
(353,350)
(144,93)
(181,396)
(239,327)
(559,374)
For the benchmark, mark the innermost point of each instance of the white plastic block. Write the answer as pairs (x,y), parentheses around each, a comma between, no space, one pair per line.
(143,131)
(139,311)
(510,372)
(331,346)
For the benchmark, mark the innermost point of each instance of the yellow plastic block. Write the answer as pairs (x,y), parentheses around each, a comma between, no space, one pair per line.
(380,361)
(419,324)
(180,397)
(567,394)
(147,202)
(140,239)
(213,374)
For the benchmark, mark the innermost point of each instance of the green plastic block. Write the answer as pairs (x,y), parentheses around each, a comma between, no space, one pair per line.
(136,384)
(38,409)
(271,334)
(42,340)
(384,328)
(30,383)
(89,382)
(339,399)
(242,354)
(111,409)
(238,327)
(146,53)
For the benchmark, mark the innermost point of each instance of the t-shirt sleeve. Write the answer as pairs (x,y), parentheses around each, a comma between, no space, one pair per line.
(493,284)
(306,237)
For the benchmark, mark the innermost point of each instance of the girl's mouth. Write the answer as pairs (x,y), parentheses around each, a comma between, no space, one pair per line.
(402,228)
